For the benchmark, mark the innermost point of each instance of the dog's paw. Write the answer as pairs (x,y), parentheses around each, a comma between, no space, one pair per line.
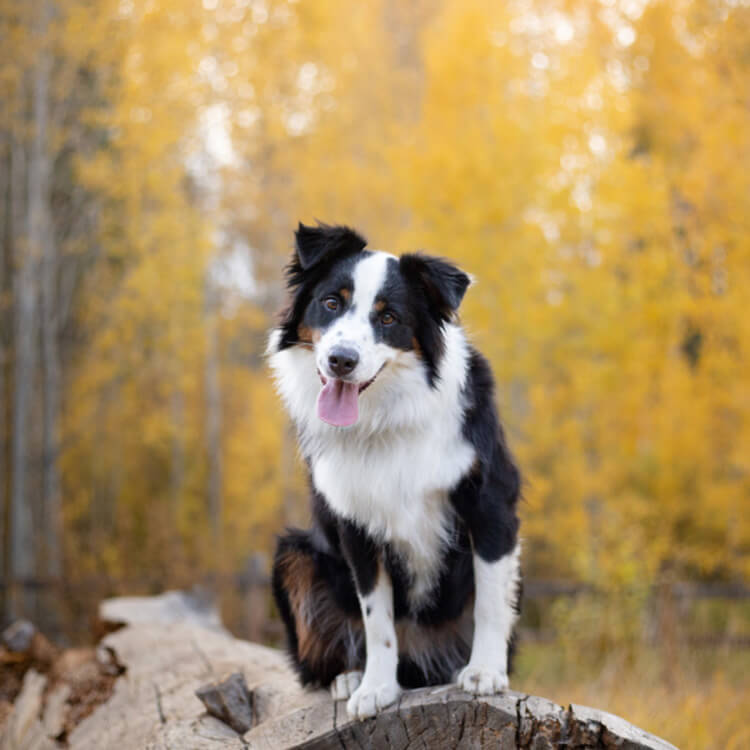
(343,687)
(367,700)
(482,681)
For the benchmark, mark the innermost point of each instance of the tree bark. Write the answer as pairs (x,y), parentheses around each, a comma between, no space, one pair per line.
(35,254)
(5,209)
(24,329)
(51,511)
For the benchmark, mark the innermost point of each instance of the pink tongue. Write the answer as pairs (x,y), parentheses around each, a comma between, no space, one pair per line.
(337,403)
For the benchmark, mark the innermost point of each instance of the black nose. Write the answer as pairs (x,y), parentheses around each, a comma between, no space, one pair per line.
(342,361)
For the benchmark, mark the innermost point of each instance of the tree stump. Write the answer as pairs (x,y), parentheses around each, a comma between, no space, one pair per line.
(153,704)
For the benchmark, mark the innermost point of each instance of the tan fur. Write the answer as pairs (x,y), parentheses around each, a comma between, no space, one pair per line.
(298,579)
(324,631)
(307,335)
(326,635)
(417,347)
(304,334)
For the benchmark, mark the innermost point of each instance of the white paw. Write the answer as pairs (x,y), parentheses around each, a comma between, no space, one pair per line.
(345,684)
(481,681)
(368,700)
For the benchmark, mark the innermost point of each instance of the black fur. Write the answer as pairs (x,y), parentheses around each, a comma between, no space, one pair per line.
(334,560)
(316,244)
(317,248)
(437,288)
(485,501)
(362,554)
(334,586)
(422,292)
(441,282)
(486,497)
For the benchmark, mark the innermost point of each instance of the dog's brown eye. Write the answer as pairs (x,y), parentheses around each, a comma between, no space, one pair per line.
(387,318)
(332,303)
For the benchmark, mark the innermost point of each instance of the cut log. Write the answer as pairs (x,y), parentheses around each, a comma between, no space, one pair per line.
(445,717)
(154,705)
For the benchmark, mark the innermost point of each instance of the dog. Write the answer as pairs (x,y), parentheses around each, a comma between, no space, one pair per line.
(410,574)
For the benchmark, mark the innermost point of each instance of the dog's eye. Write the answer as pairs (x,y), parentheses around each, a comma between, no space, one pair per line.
(387,318)
(331,303)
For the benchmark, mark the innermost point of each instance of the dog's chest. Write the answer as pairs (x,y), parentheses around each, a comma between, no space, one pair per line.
(398,490)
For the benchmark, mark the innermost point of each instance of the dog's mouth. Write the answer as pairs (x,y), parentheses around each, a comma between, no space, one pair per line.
(338,400)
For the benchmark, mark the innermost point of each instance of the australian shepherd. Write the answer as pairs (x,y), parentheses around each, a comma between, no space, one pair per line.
(410,573)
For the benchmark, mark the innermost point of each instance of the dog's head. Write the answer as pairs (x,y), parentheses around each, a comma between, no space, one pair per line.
(363,311)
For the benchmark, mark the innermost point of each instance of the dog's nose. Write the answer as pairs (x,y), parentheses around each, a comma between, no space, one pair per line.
(342,361)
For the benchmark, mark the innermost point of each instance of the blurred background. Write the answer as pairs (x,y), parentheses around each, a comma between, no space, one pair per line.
(587,161)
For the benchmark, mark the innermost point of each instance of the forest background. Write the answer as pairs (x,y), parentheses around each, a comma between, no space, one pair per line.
(587,161)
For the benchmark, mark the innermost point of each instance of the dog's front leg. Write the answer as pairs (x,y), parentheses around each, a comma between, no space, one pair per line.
(495,613)
(379,687)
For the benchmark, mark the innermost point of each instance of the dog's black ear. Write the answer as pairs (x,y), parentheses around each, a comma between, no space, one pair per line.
(442,282)
(315,244)
(439,287)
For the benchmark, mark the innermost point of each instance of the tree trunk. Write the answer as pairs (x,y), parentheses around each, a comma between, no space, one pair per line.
(51,511)
(51,358)
(5,209)
(213,419)
(35,255)
(24,327)
(177,469)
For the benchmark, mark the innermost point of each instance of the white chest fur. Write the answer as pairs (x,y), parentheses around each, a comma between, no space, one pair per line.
(391,472)
(398,490)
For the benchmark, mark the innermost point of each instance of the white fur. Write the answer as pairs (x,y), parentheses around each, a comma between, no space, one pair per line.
(379,687)
(494,617)
(354,329)
(345,684)
(392,471)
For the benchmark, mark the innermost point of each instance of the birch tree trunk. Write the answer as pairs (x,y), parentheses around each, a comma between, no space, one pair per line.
(177,469)
(36,254)
(51,511)
(24,330)
(213,418)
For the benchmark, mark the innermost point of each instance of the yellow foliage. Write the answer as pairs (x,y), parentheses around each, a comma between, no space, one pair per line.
(585,161)
(697,707)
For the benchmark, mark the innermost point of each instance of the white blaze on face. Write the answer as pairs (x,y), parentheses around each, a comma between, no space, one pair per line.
(354,328)
(338,400)
(369,277)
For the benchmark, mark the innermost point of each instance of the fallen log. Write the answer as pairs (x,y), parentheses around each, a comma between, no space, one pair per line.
(153,704)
